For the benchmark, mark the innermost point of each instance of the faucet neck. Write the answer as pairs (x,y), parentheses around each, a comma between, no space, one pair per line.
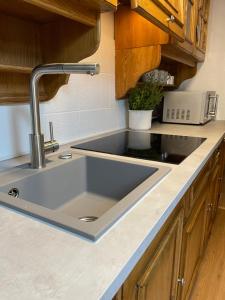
(34,105)
(36,137)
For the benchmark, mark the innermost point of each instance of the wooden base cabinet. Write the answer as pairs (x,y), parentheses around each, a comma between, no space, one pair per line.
(215,186)
(215,191)
(168,268)
(156,274)
(160,279)
(192,246)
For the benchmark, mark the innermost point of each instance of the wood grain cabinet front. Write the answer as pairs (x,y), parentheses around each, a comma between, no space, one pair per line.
(160,34)
(215,187)
(195,29)
(202,24)
(167,14)
(190,21)
(192,246)
(168,268)
(189,28)
(156,274)
(34,32)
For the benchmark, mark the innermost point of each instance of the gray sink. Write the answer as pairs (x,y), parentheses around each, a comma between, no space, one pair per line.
(85,195)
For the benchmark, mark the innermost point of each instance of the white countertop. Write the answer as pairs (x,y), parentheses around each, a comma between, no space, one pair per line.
(39,261)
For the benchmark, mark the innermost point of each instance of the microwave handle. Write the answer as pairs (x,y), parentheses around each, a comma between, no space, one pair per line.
(212,113)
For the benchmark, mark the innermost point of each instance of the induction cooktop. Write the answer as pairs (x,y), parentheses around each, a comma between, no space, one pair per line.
(144,145)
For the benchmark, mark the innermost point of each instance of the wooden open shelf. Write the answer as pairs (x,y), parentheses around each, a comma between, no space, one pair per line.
(15,69)
(34,32)
(85,11)
(68,9)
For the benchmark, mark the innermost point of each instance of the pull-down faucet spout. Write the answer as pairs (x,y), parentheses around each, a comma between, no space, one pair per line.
(38,146)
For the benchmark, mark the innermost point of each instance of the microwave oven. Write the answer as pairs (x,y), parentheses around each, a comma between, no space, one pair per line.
(189,107)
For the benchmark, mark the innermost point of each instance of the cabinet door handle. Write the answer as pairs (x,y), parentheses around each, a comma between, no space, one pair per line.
(181,281)
(171,19)
(210,206)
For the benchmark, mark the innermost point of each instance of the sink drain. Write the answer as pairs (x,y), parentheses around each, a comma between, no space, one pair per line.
(14,192)
(88,218)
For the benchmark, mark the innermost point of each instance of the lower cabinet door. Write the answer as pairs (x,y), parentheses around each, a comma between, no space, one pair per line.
(213,200)
(192,246)
(157,278)
(215,193)
(208,219)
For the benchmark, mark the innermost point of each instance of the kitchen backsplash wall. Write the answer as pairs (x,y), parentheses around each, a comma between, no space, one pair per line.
(211,73)
(87,106)
(84,107)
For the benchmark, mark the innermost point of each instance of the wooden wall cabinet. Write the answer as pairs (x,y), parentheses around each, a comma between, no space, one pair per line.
(168,268)
(134,54)
(34,32)
(195,29)
(142,46)
(202,24)
(167,14)
(190,20)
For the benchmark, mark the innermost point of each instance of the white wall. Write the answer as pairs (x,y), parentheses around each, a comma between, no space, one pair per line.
(211,74)
(84,107)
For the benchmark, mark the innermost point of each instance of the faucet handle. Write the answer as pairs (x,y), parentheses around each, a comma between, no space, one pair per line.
(52,145)
(51,131)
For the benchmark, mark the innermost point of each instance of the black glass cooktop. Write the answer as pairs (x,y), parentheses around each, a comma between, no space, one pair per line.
(150,146)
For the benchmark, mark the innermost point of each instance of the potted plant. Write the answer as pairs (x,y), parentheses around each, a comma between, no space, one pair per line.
(142,101)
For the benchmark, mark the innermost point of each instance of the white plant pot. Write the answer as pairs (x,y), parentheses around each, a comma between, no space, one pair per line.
(140,119)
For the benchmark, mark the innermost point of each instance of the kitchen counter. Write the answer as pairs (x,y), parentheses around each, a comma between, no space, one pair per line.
(39,261)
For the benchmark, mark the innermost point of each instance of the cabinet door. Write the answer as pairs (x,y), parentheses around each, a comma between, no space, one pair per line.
(107,3)
(202,24)
(222,166)
(157,279)
(208,219)
(190,20)
(215,187)
(119,295)
(192,246)
(167,14)
(215,191)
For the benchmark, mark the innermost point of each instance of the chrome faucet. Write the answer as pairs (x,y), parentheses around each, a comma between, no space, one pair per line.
(38,146)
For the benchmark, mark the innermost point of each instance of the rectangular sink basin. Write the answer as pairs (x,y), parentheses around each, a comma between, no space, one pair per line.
(85,195)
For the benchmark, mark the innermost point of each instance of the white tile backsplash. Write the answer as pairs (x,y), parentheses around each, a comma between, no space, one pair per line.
(84,107)
(66,126)
(14,130)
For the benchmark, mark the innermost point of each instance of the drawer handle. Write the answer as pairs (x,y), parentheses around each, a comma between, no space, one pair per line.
(171,19)
(209,207)
(181,281)
(218,154)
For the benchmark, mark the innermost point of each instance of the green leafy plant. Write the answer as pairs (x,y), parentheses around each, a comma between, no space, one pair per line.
(146,96)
